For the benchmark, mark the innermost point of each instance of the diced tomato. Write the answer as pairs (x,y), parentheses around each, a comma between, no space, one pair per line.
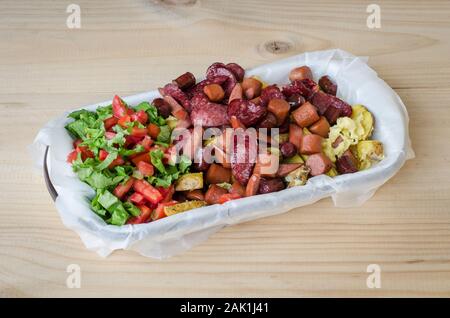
(132,140)
(137,198)
(143,217)
(138,132)
(145,168)
(124,120)
(102,154)
(228,197)
(77,142)
(110,135)
(167,193)
(118,107)
(140,116)
(158,213)
(116,162)
(85,152)
(142,157)
(148,191)
(147,142)
(110,123)
(153,130)
(121,189)
(72,156)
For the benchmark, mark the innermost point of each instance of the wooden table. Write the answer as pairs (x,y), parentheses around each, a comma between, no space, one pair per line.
(47,68)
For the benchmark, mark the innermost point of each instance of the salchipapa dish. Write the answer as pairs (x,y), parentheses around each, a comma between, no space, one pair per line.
(223,138)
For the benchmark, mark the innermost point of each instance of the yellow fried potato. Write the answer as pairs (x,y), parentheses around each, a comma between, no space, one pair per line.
(294,159)
(171,122)
(369,151)
(332,172)
(189,181)
(298,177)
(363,119)
(182,207)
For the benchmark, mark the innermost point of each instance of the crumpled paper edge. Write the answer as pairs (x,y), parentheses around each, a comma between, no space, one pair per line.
(171,236)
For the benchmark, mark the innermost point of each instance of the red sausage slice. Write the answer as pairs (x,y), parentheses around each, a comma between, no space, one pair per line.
(311,144)
(319,163)
(305,115)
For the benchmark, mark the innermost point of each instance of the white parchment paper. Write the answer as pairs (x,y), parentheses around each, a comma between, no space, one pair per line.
(357,83)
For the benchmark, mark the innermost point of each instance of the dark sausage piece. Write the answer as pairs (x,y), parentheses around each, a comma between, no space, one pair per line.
(242,162)
(237,71)
(295,101)
(209,115)
(270,92)
(162,107)
(270,185)
(179,196)
(198,88)
(247,112)
(306,87)
(321,101)
(284,127)
(327,85)
(219,69)
(288,149)
(347,163)
(324,101)
(185,80)
(269,121)
(332,114)
(180,96)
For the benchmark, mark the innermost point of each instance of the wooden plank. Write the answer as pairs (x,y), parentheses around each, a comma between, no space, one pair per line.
(318,250)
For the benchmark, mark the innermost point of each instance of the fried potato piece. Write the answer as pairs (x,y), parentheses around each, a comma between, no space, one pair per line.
(182,207)
(298,177)
(365,119)
(189,181)
(368,152)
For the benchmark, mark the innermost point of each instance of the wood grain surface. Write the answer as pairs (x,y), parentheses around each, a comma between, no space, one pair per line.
(127,47)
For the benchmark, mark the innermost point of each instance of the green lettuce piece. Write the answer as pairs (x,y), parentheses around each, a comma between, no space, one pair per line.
(156,159)
(129,152)
(97,207)
(107,200)
(184,164)
(119,216)
(132,209)
(161,181)
(104,112)
(77,129)
(79,113)
(164,134)
(152,112)
(108,160)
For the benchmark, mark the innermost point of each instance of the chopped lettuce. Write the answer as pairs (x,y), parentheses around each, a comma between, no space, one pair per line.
(164,134)
(88,126)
